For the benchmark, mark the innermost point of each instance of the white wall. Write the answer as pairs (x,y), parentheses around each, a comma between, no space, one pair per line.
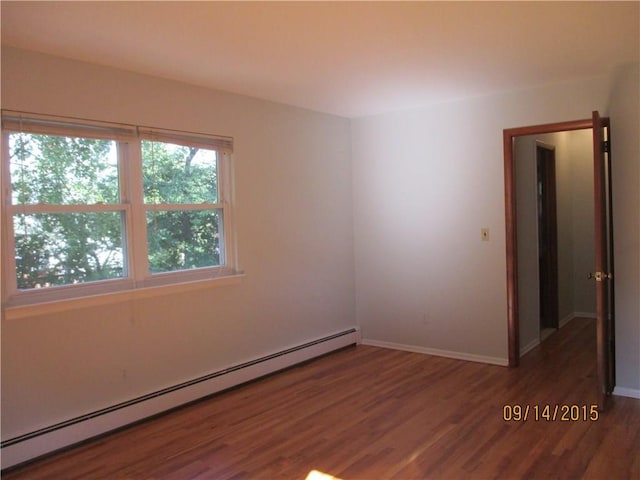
(625,125)
(527,242)
(425,182)
(566,240)
(580,153)
(295,242)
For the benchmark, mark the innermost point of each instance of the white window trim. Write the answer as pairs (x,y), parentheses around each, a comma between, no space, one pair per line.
(139,283)
(99,300)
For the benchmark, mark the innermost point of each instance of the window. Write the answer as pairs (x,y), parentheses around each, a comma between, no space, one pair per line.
(92,208)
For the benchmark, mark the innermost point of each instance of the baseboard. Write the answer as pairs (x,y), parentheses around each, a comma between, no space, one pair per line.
(626,392)
(567,319)
(530,346)
(34,444)
(573,315)
(437,352)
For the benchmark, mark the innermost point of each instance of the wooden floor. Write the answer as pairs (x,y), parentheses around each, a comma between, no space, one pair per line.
(372,413)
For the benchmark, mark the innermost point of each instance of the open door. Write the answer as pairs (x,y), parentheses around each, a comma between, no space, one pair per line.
(603,275)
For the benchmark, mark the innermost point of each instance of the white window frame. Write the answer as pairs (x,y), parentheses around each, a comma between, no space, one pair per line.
(138,277)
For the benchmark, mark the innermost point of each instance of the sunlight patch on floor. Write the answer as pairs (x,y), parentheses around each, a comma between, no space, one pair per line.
(317,475)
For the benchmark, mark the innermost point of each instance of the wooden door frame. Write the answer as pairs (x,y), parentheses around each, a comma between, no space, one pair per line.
(508,135)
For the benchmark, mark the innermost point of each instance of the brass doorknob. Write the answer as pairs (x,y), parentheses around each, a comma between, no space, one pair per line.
(600,276)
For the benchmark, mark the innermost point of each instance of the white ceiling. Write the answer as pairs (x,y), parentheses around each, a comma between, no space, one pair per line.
(349,59)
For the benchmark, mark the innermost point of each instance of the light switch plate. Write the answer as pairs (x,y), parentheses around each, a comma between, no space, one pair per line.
(484,234)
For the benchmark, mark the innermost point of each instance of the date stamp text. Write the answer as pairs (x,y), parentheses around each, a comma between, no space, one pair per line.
(550,413)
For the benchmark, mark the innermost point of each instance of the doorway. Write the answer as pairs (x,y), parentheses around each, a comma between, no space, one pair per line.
(555,241)
(547,239)
(603,239)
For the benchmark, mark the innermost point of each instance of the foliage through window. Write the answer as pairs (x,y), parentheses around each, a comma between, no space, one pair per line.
(56,245)
(115,207)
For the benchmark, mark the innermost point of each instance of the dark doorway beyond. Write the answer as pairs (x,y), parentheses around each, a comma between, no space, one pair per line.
(547,236)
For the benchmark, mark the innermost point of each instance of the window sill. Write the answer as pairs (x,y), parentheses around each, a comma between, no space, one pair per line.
(57,306)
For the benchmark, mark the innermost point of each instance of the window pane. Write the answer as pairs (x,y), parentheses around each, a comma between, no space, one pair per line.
(68,248)
(182,240)
(62,170)
(177,174)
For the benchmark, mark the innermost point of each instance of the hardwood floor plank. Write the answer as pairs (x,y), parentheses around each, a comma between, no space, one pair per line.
(366,412)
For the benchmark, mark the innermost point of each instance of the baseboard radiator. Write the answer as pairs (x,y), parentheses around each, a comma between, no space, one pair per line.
(47,440)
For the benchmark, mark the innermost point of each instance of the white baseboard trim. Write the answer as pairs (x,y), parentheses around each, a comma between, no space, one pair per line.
(34,444)
(437,352)
(626,392)
(573,315)
(530,346)
(566,320)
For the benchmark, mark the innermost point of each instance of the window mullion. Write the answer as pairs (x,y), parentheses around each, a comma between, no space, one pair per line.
(65,208)
(221,169)
(226,196)
(137,223)
(169,207)
(7,240)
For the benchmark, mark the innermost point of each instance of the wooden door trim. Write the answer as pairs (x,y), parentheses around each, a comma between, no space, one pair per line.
(508,136)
